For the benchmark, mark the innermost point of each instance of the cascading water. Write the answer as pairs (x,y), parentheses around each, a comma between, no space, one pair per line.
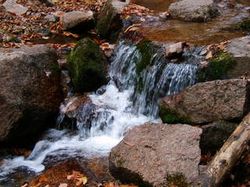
(113,110)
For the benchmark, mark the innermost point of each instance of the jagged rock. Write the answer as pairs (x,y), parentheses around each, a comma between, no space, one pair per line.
(74,18)
(157,155)
(30,92)
(87,66)
(15,8)
(208,102)
(215,134)
(239,48)
(109,22)
(193,10)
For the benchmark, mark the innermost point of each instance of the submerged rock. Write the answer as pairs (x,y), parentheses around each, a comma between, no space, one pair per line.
(74,18)
(193,10)
(30,91)
(87,66)
(157,155)
(208,102)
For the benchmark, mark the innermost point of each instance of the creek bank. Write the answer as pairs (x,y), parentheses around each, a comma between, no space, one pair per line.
(157,154)
(30,94)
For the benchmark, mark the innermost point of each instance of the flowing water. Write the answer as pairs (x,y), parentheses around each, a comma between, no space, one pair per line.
(114,108)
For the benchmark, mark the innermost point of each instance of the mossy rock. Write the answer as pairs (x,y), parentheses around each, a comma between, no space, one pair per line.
(87,66)
(218,67)
(146,50)
(109,23)
(172,117)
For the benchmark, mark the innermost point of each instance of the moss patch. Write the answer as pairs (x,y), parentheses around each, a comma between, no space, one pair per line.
(171,117)
(177,179)
(146,50)
(86,66)
(218,67)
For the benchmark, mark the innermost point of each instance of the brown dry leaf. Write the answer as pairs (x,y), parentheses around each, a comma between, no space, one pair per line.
(209,55)
(78,177)
(70,34)
(81,181)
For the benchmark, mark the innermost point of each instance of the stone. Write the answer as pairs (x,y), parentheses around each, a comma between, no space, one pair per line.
(109,22)
(214,135)
(87,66)
(174,49)
(157,155)
(239,48)
(15,8)
(30,93)
(74,18)
(193,10)
(61,172)
(207,102)
(51,18)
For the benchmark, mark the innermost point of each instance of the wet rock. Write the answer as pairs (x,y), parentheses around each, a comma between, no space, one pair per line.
(175,49)
(15,8)
(192,10)
(157,155)
(74,18)
(30,91)
(208,102)
(214,135)
(109,22)
(95,170)
(87,66)
(239,48)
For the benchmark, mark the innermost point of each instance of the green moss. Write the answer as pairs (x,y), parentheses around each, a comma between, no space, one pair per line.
(178,180)
(146,50)
(218,67)
(244,25)
(86,66)
(171,117)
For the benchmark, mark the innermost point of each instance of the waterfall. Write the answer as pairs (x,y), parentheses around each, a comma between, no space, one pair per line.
(129,99)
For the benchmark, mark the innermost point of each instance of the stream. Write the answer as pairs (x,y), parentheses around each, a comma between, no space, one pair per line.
(114,109)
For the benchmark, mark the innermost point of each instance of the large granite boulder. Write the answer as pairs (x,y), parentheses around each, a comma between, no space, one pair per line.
(30,92)
(207,102)
(193,10)
(157,155)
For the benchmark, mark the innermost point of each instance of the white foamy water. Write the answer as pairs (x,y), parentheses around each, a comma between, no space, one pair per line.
(116,110)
